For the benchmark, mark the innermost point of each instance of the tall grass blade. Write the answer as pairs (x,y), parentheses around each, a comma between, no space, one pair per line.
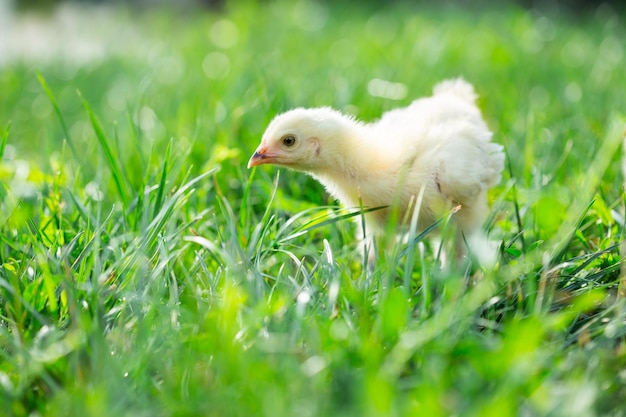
(4,139)
(408,267)
(110,157)
(57,111)
(622,249)
(318,222)
(161,190)
(423,234)
(561,248)
(244,215)
(518,216)
(258,236)
(158,223)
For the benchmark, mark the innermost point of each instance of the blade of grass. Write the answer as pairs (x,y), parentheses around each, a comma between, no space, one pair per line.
(518,216)
(57,111)
(155,227)
(258,235)
(316,223)
(132,128)
(244,215)
(561,248)
(408,267)
(4,139)
(161,190)
(427,231)
(110,157)
(622,250)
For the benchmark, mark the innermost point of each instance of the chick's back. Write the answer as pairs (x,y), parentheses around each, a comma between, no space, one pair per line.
(440,143)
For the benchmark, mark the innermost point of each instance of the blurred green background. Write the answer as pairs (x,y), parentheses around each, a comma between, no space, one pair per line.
(130,284)
(213,79)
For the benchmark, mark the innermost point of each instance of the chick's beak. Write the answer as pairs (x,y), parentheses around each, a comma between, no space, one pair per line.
(261,156)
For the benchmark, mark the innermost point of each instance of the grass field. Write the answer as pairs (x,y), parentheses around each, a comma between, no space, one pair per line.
(144,271)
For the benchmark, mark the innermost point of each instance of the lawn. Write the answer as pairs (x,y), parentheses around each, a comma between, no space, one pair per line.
(144,271)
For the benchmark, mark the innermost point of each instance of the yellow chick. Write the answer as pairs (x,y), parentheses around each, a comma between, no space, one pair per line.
(438,146)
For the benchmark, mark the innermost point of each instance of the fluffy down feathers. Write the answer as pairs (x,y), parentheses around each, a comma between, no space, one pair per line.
(439,143)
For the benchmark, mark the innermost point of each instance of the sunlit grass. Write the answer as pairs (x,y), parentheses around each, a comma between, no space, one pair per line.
(145,271)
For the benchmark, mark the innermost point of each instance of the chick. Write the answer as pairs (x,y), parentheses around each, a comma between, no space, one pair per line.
(438,146)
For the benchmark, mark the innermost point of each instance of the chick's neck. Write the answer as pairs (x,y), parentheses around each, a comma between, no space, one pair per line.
(352,158)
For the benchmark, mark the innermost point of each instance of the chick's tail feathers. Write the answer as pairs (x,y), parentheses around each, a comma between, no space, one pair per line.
(457,87)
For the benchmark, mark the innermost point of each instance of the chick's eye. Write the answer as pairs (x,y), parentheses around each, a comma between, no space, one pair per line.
(289,140)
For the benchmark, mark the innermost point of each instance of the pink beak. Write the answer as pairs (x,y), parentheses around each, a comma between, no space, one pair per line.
(261,156)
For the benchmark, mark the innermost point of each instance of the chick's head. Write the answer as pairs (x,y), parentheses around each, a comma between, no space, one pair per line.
(302,139)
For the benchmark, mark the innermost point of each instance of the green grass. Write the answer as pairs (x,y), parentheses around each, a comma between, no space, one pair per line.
(145,271)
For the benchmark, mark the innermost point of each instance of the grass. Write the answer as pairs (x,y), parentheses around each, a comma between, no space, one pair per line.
(145,271)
